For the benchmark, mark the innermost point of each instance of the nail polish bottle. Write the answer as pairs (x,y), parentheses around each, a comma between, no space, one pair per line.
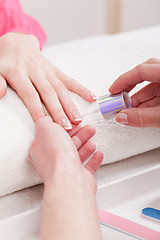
(109,105)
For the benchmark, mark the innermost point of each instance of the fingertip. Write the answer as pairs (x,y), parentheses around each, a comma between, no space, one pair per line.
(78,120)
(89,96)
(117,86)
(86,150)
(95,162)
(100,156)
(92,97)
(112,90)
(76,117)
(91,128)
(91,146)
(66,124)
(122,117)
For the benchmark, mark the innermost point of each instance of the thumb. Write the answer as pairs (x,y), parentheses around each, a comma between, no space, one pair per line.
(3,86)
(140,117)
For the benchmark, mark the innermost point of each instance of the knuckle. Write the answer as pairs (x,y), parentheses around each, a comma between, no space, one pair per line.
(16,71)
(46,89)
(139,69)
(156,89)
(29,93)
(34,66)
(152,60)
(58,86)
(73,83)
(37,68)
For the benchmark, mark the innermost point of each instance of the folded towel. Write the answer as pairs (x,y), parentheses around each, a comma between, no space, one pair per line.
(95,62)
(31,198)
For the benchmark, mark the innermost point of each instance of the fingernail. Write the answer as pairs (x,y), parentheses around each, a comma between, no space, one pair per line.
(93,96)
(122,118)
(76,115)
(66,124)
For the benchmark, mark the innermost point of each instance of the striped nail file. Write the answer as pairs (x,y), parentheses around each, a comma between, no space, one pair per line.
(128,227)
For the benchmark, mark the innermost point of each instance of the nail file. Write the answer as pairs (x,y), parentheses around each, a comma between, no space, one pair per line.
(128,227)
(151,213)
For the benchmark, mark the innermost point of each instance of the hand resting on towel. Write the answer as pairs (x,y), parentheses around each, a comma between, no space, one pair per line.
(36,80)
(146,102)
(69,207)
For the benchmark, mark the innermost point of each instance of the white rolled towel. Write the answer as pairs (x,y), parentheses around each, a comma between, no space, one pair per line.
(95,62)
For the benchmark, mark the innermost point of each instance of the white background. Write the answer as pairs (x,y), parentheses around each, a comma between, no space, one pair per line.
(65,20)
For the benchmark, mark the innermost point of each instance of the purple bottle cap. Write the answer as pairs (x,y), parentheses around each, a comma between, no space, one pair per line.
(111,104)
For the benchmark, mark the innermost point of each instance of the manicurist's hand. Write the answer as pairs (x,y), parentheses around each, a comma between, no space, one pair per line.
(146,102)
(36,80)
(69,206)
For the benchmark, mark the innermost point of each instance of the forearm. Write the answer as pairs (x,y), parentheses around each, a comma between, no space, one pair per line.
(69,210)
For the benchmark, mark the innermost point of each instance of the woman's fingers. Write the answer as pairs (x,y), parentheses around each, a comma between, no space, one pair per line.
(151,103)
(51,101)
(83,135)
(3,86)
(76,87)
(143,72)
(152,61)
(140,117)
(28,94)
(75,129)
(146,94)
(146,101)
(65,99)
(95,162)
(86,150)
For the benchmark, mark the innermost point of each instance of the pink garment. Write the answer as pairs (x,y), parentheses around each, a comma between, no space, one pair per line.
(13,19)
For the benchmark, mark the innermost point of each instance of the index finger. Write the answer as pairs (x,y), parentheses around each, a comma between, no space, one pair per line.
(142,72)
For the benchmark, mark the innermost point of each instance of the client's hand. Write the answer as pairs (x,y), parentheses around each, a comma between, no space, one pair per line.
(53,147)
(69,207)
(146,102)
(36,80)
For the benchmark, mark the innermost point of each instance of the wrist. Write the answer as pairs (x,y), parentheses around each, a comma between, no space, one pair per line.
(67,199)
(12,38)
(62,171)
(70,177)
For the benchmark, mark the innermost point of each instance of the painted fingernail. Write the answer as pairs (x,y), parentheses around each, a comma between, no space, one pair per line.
(93,96)
(76,115)
(122,118)
(66,124)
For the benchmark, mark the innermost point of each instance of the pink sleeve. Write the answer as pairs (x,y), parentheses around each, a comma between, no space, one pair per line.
(13,19)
